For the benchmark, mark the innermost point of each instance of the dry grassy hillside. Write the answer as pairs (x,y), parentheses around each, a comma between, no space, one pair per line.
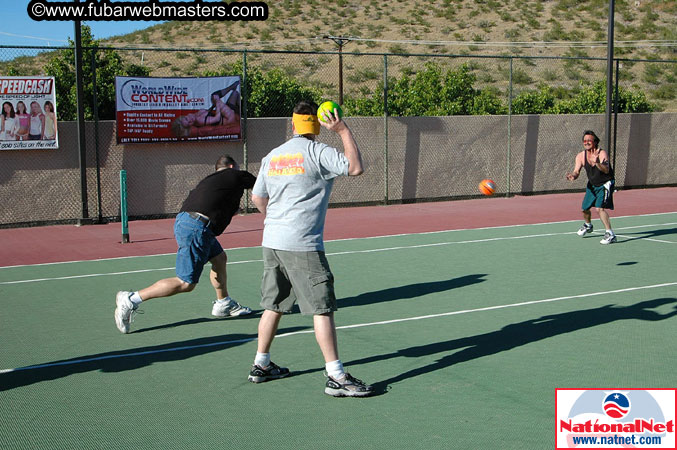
(435,27)
(458,27)
(471,24)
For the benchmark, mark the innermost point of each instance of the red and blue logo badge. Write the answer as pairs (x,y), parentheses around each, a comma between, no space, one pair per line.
(616,405)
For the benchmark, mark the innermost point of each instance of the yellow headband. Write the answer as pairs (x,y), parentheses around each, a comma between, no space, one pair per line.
(305,124)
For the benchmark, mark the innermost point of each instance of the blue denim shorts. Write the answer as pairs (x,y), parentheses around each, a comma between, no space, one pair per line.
(197,245)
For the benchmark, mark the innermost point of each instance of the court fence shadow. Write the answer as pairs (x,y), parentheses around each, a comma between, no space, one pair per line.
(124,360)
(515,335)
(648,234)
(255,314)
(410,291)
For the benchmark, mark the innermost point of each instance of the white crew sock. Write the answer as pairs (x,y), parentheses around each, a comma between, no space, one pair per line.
(335,369)
(611,232)
(262,360)
(135,298)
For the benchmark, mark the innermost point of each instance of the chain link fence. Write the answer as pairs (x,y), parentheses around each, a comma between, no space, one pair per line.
(408,158)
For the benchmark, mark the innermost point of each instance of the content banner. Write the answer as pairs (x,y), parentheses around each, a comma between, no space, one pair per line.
(28,119)
(177,109)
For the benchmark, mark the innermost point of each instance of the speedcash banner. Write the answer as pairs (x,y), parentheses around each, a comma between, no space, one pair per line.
(177,109)
(28,114)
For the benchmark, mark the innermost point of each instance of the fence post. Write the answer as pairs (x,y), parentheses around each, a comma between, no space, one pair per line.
(385,128)
(95,111)
(243,96)
(609,72)
(82,146)
(507,178)
(123,206)
(613,162)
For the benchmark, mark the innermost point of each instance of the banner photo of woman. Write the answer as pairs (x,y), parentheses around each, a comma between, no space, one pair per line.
(28,113)
(152,109)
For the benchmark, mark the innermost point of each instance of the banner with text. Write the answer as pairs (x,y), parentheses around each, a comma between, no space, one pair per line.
(28,119)
(177,109)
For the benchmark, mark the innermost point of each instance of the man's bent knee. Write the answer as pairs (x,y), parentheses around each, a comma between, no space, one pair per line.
(186,287)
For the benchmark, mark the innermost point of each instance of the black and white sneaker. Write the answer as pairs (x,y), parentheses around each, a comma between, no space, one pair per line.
(347,386)
(259,374)
(585,229)
(609,238)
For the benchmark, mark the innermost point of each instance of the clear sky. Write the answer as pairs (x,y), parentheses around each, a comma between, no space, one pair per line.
(19,29)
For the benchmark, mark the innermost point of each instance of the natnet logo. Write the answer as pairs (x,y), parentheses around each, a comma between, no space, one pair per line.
(615,418)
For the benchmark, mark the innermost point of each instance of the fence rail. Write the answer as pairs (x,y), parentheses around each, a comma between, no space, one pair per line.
(408,158)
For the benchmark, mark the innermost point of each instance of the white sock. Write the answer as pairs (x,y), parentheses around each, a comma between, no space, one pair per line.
(135,298)
(262,359)
(588,224)
(335,369)
(224,300)
(611,232)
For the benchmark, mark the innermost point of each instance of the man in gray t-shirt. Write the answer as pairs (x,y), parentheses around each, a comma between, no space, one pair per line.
(297,178)
(292,190)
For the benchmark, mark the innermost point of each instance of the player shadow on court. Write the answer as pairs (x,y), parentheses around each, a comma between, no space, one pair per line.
(410,291)
(124,360)
(256,314)
(515,335)
(650,234)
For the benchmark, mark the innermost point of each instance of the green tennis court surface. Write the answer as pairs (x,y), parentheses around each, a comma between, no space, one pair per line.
(465,333)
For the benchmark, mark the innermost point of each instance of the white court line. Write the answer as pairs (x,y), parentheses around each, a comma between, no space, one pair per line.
(344,327)
(353,239)
(90,275)
(631,238)
(351,252)
(70,277)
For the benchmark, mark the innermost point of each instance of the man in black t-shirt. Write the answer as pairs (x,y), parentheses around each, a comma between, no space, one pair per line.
(204,215)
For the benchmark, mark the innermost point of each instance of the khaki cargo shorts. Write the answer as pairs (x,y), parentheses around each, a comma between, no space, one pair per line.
(297,277)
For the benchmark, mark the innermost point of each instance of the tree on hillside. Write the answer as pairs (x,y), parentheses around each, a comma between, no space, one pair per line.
(590,99)
(108,65)
(430,92)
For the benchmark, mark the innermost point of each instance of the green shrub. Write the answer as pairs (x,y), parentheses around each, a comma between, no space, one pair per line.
(652,73)
(521,77)
(665,92)
(533,102)
(109,64)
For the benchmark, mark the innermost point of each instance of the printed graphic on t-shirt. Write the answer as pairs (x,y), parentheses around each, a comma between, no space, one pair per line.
(286,165)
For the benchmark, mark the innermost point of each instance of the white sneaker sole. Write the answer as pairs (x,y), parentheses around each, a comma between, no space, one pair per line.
(241,312)
(254,379)
(343,393)
(120,324)
(124,328)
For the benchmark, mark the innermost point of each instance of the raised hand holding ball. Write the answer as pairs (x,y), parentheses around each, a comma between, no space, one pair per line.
(328,109)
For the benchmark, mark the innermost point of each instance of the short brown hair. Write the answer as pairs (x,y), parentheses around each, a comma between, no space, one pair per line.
(224,161)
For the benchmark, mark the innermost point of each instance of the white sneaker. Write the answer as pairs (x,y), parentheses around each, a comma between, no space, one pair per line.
(609,238)
(585,229)
(123,311)
(229,308)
